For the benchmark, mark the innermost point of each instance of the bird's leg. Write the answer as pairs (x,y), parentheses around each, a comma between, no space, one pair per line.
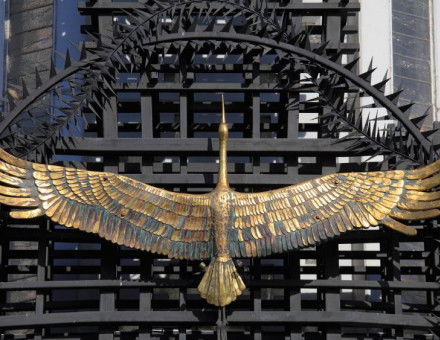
(221,324)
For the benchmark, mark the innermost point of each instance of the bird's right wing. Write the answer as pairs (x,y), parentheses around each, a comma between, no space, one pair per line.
(115,207)
(305,214)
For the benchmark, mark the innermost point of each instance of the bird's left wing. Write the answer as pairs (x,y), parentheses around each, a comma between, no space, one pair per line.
(305,214)
(115,207)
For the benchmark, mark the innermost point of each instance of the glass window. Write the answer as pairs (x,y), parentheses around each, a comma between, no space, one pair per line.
(68,22)
(411,52)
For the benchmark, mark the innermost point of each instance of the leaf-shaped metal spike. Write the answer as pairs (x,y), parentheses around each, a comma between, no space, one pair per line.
(159,5)
(38,81)
(83,51)
(419,120)
(321,49)
(428,133)
(228,27)
(352,64)
(406,107)
(335,57)
(210,26)
(177,23)
(68,61)
(374,128)
(24,90)
(53,70)
(367,75)
(305,43)
(193,26)
(381,85)
(394,97)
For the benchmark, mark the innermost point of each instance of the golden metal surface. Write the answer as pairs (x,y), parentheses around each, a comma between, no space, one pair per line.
(223,224)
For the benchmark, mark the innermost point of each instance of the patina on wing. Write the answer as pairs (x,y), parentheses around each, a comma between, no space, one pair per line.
(115,207)
(308,213)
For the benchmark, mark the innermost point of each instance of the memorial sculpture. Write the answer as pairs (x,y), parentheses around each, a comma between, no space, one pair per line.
(223,224)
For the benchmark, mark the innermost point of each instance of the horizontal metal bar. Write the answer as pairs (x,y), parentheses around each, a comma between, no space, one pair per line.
(204,145)
(355,319)
(351,318)
(352,270)
(357,284)
(86,9)
(69,235)
(350,255)
(209,87)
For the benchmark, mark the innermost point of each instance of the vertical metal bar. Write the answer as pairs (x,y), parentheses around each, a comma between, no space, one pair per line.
(256,295)
(292,115)
(293,295)
(107,297)
(333,29)
(183,115)
(147,115)
(145,294)
(332,299)
(147,131)
(183,268)
(292,133)
(256,115)
(110,119)
(256,118)
(41,272)
(396,269)
(183,110)
(329,261)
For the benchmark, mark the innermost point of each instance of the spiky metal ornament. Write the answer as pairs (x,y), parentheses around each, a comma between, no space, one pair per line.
(251,28)
(222,224)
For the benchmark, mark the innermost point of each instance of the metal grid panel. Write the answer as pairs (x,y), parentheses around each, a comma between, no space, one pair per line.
(367,285)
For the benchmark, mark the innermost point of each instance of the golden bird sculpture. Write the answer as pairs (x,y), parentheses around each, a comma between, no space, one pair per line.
(223,224)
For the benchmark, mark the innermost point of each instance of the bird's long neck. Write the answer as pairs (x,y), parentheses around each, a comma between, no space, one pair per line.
(223,141)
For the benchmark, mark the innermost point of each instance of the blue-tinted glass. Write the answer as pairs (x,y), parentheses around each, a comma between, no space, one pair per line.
(67,35)
(68,23)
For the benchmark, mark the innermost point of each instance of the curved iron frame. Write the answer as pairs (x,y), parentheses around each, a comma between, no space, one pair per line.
(379,96)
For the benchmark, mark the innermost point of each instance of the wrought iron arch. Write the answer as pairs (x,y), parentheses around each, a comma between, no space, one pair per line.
(267,33)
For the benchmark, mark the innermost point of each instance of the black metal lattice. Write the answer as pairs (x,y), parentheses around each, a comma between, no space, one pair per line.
(160,128)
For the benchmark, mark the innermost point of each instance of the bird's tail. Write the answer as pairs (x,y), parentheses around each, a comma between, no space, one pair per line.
(221,283)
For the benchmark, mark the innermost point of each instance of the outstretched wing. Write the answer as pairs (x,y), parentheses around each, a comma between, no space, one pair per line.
(115,207)
(310,212)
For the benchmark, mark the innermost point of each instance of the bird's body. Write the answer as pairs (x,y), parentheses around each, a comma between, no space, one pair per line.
(221,211)
(221,283)
(223,224)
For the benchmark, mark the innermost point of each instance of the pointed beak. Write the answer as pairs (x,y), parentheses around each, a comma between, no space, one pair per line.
(223,111)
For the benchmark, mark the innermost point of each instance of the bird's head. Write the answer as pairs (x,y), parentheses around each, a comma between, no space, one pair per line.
(223,127)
